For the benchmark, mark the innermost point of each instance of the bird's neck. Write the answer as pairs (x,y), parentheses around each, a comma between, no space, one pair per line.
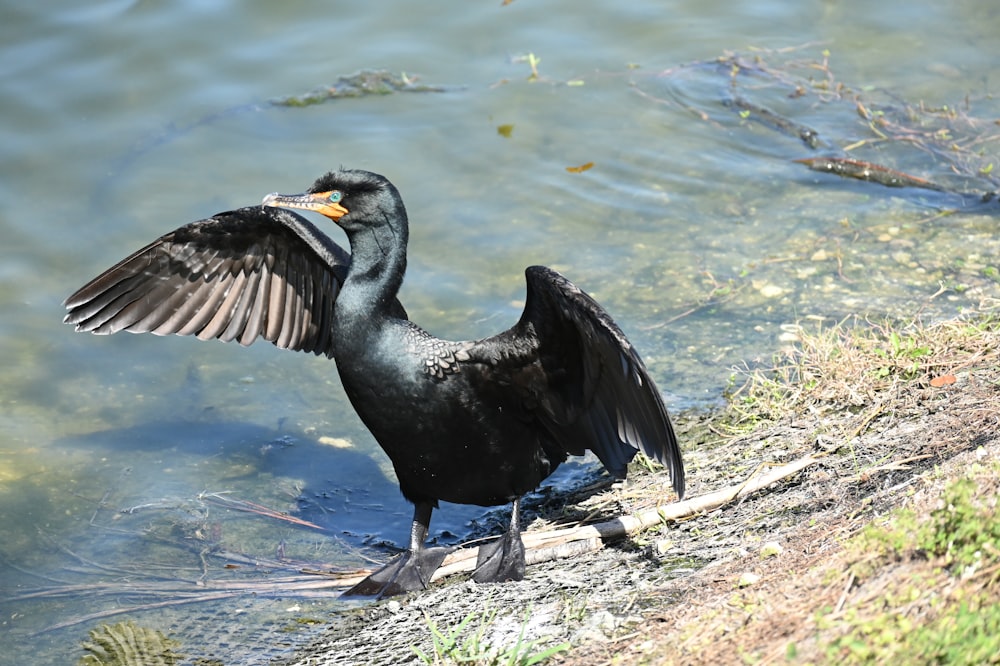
(378,262)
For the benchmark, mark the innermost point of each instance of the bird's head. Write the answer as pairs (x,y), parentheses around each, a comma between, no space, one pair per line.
(346,196)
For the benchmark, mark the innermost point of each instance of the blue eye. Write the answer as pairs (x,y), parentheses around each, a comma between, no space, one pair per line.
(335,196)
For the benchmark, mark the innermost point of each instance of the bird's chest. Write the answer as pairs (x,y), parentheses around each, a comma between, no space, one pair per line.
(435,428)
(390,387)
(378,378)
(399,378)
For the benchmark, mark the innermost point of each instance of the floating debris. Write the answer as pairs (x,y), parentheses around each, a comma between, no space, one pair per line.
(961,146)
(362,84)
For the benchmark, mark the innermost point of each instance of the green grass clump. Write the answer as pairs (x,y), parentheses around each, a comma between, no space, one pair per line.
(968,633)
(946,610)
(451,647)
(964,531)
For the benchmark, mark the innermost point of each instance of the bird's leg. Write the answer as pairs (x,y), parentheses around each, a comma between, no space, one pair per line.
(503,559)
(410,570)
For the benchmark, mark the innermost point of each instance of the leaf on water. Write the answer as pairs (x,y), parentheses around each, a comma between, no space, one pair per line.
(505,130)
(581,168)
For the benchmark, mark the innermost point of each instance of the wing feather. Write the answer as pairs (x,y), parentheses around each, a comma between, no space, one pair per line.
(241,275)
(581,377)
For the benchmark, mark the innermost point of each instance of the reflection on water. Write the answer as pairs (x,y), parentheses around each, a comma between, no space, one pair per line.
(694,228)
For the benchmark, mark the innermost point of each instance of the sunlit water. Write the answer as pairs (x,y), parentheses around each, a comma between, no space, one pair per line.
(122,458)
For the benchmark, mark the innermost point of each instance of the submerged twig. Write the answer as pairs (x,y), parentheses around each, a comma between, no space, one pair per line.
(259,509)
(766,116)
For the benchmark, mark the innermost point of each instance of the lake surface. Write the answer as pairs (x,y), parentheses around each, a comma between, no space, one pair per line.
(134,469)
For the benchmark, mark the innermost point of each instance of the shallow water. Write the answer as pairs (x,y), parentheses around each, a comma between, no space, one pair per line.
(123,120)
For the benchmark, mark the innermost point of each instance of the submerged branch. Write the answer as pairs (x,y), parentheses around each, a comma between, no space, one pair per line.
(866,171)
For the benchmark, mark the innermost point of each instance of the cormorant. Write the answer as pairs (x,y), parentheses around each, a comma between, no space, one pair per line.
(476,422)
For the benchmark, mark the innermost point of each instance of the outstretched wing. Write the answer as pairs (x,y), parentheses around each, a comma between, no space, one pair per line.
(248,273)
(593,390)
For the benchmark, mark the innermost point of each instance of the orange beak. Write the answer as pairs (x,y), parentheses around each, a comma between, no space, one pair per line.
(315,201)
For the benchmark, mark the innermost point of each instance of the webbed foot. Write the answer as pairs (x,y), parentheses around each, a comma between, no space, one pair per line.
(407,572)
(501,560)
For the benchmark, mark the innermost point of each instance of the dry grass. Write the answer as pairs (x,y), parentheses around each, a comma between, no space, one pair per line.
(835,566)
(861,365)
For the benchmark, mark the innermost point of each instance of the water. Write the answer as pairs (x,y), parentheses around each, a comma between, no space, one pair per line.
(123,120)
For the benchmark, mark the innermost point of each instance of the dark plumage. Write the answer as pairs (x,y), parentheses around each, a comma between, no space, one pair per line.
(478,422)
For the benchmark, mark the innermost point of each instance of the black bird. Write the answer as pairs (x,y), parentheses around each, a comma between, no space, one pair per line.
(478,422)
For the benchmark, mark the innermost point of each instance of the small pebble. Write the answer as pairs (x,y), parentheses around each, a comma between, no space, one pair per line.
(771,291)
